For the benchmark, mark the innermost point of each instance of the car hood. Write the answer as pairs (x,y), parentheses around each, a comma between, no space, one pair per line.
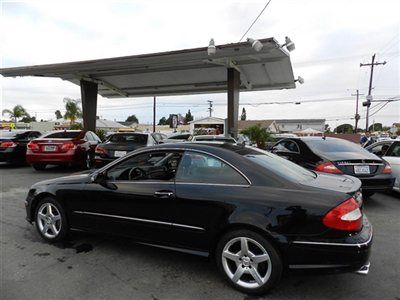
(361,155)
(339,183)
(76,178)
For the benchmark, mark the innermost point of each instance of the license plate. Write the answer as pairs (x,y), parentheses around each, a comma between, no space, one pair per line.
(50,148)
(119,153)
(361,170)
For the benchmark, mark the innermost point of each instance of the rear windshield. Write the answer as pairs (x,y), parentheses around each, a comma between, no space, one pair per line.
(280,166)
(215,140)
(129,138)
(63,135)
(11,134)
(334,145)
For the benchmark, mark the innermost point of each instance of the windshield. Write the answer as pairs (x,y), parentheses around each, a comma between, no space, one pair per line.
(281,166)
(63,135)
(333,145)
(129,138)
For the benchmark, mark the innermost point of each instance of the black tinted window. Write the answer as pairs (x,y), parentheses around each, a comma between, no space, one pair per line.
(203,168)
(146,166)
(129,138)
(333,145)
(287,146)
(394,151)
(63,135)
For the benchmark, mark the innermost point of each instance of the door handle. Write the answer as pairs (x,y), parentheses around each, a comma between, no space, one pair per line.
(164,194)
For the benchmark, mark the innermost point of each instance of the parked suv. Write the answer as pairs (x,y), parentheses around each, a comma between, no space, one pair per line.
(68,147)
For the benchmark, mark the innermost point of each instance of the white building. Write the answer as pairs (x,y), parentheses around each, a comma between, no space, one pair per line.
(208,124)
(295,125)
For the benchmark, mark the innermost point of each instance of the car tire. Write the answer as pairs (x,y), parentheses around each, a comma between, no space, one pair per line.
(51,220)
(367,194)
(253,269)
(39,167)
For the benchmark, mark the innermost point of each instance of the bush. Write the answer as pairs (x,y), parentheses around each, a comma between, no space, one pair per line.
(257,134)
(101,134)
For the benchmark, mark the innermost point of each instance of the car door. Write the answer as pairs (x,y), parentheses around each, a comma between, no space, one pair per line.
(132,198)
(393,158)
(203,182)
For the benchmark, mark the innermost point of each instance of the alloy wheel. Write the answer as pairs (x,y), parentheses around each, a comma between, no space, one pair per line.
(49,220)
(246,262)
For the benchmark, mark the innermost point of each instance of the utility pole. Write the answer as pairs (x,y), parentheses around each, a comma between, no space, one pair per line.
(210,105)
(369,97)
(357,116)
(154,114)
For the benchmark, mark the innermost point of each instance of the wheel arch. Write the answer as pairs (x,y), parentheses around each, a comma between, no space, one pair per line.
(36,201)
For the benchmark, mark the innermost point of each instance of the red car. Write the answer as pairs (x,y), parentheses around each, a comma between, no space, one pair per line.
(69,147)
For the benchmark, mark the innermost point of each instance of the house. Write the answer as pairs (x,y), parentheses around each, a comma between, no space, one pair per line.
(295,125)
(208,124)
(267,124)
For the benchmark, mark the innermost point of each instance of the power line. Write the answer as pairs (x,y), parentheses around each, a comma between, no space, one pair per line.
(254,21)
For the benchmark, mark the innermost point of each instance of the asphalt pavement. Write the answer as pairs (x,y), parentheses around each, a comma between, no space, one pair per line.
(97,267)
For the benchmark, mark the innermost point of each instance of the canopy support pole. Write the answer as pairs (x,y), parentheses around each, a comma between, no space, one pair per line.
(233,101)
(89,104)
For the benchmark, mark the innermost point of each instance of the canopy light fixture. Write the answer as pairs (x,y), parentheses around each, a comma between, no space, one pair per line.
(290,46)
(256,44)
(299,80)
(211,50)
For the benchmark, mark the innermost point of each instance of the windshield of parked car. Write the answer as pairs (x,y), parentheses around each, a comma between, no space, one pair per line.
(63,135)
(129,138)
(333,145)
(279,165)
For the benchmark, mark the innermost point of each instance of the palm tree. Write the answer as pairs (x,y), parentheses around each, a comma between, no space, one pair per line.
(73,111)
(17,112)
(257,134)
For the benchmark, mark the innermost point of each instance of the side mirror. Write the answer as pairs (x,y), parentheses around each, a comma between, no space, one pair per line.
(99,177)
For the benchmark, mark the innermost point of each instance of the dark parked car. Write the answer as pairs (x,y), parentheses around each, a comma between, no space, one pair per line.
(338,156)
(67,147)
(254,212)
(13,145)
(119,144)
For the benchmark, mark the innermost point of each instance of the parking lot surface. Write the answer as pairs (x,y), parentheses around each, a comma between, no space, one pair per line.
(98,267)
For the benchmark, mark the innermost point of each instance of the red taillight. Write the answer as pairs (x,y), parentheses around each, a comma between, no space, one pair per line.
(100,150)
(346,216)
(327,167)
(387,169)
(8,144)
(67,146)
(33,146)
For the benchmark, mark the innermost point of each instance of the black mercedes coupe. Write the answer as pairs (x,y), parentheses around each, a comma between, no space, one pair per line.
(254,212)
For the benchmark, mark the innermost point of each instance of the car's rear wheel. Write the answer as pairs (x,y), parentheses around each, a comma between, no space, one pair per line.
(50,219)
(249,262)
(39,167)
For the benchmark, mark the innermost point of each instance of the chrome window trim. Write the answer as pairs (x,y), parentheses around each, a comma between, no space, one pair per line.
(216,184)
(113,163)
(359,164)
(359,245)
(138,219)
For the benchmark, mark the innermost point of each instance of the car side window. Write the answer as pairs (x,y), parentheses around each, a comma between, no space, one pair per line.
(203,168)
(287,146)
(156,165)
(395,151)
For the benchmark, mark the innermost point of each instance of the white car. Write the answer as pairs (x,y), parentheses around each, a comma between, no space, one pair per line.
(392,156)
(213,138)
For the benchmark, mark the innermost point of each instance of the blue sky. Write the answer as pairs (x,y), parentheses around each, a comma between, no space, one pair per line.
(332,38)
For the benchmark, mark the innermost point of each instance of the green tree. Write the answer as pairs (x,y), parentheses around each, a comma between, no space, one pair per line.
(17,112)
(133,119)
(73,110)
(344,128)
(28,119)
(375,127)
(243,116)
(58,114)
(101,134)
(258,135)
(188,117)
(327,128)
(162,121)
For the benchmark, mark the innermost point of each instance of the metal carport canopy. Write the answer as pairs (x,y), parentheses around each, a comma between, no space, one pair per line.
(189,71)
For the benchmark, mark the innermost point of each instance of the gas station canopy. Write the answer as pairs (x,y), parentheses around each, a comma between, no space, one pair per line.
(190,71)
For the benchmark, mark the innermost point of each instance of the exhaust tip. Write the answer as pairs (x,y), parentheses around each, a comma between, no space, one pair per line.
(364,269)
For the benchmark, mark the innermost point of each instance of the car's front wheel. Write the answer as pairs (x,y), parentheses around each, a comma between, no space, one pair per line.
(249,262)
(50,219)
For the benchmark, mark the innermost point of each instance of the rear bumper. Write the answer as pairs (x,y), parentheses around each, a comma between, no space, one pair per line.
(68,158)
(7,156)
(349,254)
(378,183)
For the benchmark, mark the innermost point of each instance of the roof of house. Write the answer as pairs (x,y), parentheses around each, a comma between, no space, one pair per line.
(243,124)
